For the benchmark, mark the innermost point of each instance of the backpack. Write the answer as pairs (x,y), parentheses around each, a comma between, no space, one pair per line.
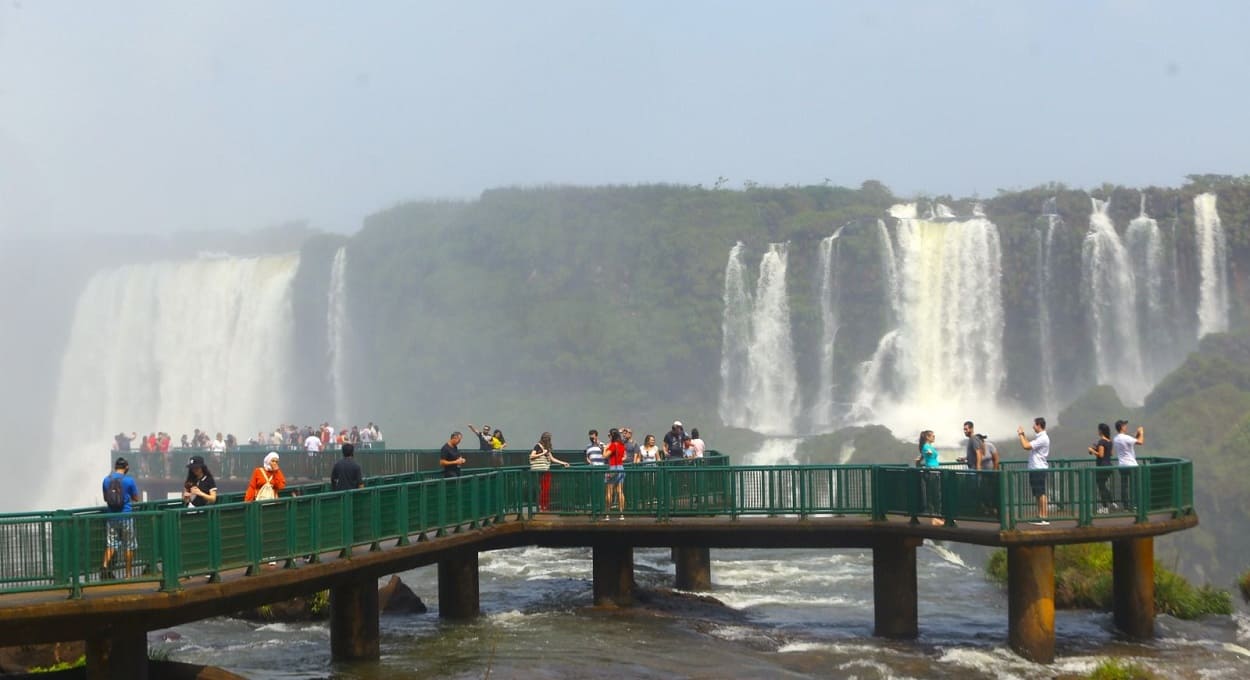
(115,494)
(266,492)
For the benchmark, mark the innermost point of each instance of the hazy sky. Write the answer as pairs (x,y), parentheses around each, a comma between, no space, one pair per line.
(156,116)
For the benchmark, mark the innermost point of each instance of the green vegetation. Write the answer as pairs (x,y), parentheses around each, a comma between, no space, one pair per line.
(63,666)
(1083,581)
(1243,583)
(319,604)
(1117,669)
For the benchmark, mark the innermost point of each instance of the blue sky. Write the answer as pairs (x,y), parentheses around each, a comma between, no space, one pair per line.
(159,116)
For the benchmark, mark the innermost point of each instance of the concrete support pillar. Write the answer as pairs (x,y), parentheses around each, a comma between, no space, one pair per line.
(354,620)
(1133,586)
(458,597)
(694,568)
(894,591)
(1031,602)
(614,575)
(118,655)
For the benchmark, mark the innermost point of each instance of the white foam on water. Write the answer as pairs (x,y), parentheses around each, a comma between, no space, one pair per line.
(787,598)
(997,663)
(774,452)
(946,554)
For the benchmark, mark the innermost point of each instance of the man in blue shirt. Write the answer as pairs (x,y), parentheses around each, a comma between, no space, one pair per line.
(119,530)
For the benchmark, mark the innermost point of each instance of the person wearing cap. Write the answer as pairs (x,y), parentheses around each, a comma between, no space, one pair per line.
(673,441)
(120,531)
(267,474)
(200,487)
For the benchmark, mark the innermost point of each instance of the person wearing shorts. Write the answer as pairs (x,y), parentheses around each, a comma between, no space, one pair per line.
(119,528)
(614,480)
(1039,451)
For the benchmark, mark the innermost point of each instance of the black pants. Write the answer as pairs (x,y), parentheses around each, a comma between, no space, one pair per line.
(1104,485)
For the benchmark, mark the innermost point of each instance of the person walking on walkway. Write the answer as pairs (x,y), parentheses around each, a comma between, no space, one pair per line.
(201,488)
(120,490)
(1039,451)
(347,474)
(267,480)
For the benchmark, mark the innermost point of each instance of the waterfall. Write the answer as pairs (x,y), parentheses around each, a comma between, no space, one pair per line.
(889,267)
(736,335)
(823,411)
(759,382)
(872,374)
(1212,265)
(170,346)
(336,335)
(1144,241)
(773,394)
(948,348)
(1108,284)
(1046,355)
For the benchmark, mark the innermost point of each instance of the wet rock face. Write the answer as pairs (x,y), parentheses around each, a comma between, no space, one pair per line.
(18,659)
(397,598)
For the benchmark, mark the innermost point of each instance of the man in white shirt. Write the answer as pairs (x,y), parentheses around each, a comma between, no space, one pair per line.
(312,444)
(1039,451)
(1123,444)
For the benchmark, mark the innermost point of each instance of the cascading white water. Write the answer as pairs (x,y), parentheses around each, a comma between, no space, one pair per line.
(772,379)
(823,410)
(1212,265)
(889,267)
(336,334)
(948,349)
(759,382)
(170,346)
(736,337)
(1144,242)
(1045,337)
(1109,288)
(872,377)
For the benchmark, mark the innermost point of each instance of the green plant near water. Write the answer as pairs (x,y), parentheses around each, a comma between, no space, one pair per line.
(1083,581)
(1116,669)
(319,602)
(63,666)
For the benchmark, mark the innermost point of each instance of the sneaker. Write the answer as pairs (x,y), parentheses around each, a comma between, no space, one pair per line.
(1041,523)
(621,517)
(1115,506)
(1101,511)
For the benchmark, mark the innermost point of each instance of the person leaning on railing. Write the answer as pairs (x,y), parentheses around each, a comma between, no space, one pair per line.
(541,460)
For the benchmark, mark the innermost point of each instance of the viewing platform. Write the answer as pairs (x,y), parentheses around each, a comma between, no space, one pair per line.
(194,563)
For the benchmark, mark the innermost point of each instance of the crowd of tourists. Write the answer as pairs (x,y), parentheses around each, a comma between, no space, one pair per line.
(285,436)
(981,454)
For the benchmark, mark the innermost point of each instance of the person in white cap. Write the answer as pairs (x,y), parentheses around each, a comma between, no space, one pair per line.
(673,441)
(267,480)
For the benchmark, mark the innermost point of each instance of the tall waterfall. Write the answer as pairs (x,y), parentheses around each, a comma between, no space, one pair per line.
(1046,345)
(336,335)
(1108,284)
(948,348)
(1212,265)
(170,346)
(823,410)
(1144,241)
(766,384)
(736,337)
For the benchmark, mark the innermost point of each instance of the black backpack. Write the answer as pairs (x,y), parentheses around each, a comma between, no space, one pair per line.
(115,494)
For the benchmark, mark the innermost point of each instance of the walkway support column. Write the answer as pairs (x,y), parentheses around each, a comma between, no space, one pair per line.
(1031,602)
(354,620)
(894,592)
(614,575)
(458,597)
(118,655)
(694,568)
(1133,586)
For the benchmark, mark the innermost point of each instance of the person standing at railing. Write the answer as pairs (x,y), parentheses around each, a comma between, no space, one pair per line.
(449,457)
(615,479)
(200,487)
(929,464)
(541,460)
(974,450)
(312,444)
(347,474)
(673,440)
(648,453)
(1039,451)
(267,480)
(1101,451)
(1126,456)
(120,490)
(497,445)
(594,451)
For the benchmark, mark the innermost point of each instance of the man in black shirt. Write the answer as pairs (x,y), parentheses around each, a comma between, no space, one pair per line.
(483,437)
(450,458)
(346,474)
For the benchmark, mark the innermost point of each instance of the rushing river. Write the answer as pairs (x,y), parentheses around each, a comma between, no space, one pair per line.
(786,613)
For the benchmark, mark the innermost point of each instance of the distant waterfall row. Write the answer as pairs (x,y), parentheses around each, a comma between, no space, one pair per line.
(940,356)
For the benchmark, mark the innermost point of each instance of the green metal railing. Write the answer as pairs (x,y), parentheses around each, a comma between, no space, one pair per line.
(64,549)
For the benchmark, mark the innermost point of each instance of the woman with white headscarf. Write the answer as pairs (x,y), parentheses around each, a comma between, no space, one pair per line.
(267,480)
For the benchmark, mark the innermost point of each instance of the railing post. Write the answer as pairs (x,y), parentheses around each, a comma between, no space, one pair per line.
(171,550)
(877,512)
(1141,491)
(252,536)
(347,530)
(1085,496)
(401,516)
(1004,502)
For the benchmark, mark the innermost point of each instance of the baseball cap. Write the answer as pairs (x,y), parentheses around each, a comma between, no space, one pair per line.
(676,423)
(195,460)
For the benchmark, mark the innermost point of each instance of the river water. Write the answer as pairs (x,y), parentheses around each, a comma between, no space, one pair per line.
(785,613)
